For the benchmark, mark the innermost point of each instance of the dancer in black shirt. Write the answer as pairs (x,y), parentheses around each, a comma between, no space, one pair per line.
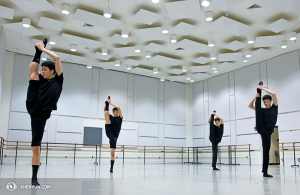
(215,136)
(112,128)
(266,119)
(42,95)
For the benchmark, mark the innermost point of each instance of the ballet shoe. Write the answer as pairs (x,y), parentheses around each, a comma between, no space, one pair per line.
(34,182)
(260,83)
(267,175)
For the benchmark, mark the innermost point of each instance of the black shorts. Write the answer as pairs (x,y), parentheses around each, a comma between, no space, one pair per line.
(37,115)
(112,136)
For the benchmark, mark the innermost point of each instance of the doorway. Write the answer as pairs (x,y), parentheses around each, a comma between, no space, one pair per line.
(274,150)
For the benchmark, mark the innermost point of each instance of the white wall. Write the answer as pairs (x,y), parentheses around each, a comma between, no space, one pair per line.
(2,57)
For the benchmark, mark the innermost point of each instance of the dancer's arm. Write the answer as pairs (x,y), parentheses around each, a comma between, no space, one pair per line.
(275,101)
(222,122)
(119,109)
(58,67)
(251,103)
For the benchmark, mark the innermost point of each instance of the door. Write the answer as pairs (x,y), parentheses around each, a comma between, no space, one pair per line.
(274,150)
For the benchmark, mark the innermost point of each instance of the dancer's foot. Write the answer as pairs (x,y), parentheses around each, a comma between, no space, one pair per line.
(267,175)
(34,182)
(260,83)
(216,169)
(111,170)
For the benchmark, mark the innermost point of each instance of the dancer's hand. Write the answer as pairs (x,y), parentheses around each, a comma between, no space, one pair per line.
(108,100)
(40,46)
(213,113)
(257,95)
(261,87)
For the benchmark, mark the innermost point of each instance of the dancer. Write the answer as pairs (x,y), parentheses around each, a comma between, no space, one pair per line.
(42,95)
(266,119)
(215,136)
(112,128)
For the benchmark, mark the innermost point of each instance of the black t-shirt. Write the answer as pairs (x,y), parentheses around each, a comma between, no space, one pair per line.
(49,92)
(270,117)
(219,132)
(116,123)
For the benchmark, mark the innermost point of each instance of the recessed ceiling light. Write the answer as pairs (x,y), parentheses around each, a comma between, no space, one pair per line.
(173,38)
(250,39)
(192,80)
(137,49)
(245,59)
(89,66)
(155,70)
(215,71)
(205,3)
(165,29)
(52,40)
(128,67)
(73,47)
(125,33)
(104,51)
(26,22)
(65,9)
(107,12)
(284,44)
(214,67)
(184,68)
(208,16)
(148,54)
(117,62)
(162,78)
(248,54)
(188,77)
(155,1)
(293,36)
(213,56)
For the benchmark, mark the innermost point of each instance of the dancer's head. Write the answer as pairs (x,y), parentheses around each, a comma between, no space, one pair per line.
(267,100)
(115,112)
(217,121)
(48,69)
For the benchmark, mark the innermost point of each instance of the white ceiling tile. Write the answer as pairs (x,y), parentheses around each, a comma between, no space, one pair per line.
(70,1)
(192,45)
(153,47)
(206,68)
(176,71)
(51,24)
(268,41)
(165,60)
(225,4)
(235,45)
(34,41)
(99,55)
(145,17)
(116,38)
(183,28)
(139,1)
(111,66)
(69,58)
(96,19)
(279,25)
(31,6)
(126,51)
(199,75)
(230,26)
(260,52)
(21,31)
(149,34)
(132,62)
(223,57)
(225,65)
(79,41)
(177,78)
(143,71)
(183,9)
(286,5)
(6,12)
(202,60)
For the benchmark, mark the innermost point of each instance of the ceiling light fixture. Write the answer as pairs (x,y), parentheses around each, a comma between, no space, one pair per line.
(128,67)
(165,28)
(52,40)
(155,70)
(125,32)
(213,56)
(188,77)
(215,71)
(26,22)
(284,44)
(148,54)
(214,67)
(208,16)
(89,66)
(104,51)
(137,49)
(73,47)
(173,38)
(293,36)
(155,1)
(248,54)
(65,9)
(192,80)
(245,59)
(205,3)
(184,68)
(162,78)
(117,62)
(107,11)
(250,39)
(211,42)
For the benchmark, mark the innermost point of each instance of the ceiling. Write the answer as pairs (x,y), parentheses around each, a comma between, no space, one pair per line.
(231,25)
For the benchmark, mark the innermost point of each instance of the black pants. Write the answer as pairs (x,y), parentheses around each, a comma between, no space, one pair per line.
(213,141)
(37,115)
(265,135)
(112,136)
(215,153)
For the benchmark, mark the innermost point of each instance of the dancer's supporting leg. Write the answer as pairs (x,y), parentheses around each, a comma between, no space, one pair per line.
(110,135)
(212,139)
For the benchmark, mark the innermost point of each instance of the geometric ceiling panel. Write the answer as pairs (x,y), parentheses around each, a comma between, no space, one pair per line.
(6,12)
(235,45)
(231,57)
(268,41)
(111,66)
(69,58)
(202,60)
(149,34)
(260,52)
(51,24)
(31,6)
(225,4)
(132,62)
(165,60)
(183,9)
(34,41)
(70,1)
(230,26)
(145,17)
(139,1)
(79,41)
(99,55)
(183,28)
(206,68)
(176,71)
(279,25)
(225,65)
(192,45)
(96,19)
(177,78)
(116,38)
(126,51)
(286,5)
(142,71)
(20,30)
(153,47)
(199,75)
